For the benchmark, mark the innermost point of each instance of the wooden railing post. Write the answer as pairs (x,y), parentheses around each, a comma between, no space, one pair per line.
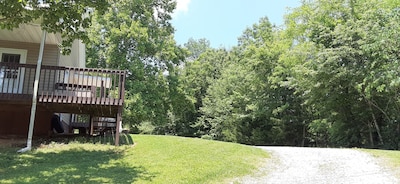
(121,87)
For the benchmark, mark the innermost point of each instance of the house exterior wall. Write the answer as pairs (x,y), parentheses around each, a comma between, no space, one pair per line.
(77,57)
(50,57)
(14,120)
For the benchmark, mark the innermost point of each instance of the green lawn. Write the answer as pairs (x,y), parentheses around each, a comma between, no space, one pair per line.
(153,159)
(390,159)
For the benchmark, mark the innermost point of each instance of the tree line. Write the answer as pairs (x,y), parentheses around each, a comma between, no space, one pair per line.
(330,76)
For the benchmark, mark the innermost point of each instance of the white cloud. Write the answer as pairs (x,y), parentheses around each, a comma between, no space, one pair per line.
(182,6)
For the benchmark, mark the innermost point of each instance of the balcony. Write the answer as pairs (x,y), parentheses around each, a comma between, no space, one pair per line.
(98,92)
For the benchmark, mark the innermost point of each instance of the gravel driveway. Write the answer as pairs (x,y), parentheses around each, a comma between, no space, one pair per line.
(319,165)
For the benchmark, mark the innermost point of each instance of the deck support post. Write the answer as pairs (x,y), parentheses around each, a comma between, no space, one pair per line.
(118,125)
(91,125)
(34,98)
(120,108)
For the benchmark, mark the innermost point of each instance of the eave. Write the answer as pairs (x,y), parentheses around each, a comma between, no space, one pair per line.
(30,33)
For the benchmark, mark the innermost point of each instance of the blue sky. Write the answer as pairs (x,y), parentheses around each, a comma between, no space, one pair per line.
(223,21)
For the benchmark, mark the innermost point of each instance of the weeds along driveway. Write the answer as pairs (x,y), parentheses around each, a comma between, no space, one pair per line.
(320,165)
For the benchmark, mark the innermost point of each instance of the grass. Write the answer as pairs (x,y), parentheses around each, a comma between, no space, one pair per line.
(390,159)
(153,159)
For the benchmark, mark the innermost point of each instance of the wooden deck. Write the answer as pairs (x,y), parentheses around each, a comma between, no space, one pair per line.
(64,89)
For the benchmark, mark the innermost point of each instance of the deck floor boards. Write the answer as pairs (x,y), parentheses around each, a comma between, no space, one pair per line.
(62,103)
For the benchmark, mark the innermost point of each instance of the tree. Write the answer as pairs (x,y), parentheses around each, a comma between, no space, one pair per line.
(245,104)
(137,36)
(196,77)
(70,18)
(196,47)
(339,73)
(380,86)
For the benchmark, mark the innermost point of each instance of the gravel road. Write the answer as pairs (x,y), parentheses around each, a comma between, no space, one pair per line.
(319,165)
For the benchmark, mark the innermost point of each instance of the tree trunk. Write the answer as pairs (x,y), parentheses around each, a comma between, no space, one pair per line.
(376,124)
(398,136)
(304,135)
(371,137)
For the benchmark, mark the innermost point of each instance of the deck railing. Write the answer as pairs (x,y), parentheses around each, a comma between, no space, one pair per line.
(60,84)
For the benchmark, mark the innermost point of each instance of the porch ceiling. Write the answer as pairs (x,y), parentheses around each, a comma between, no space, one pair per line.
(29,33)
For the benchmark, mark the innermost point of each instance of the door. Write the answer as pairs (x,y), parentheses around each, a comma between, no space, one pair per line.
(11,74)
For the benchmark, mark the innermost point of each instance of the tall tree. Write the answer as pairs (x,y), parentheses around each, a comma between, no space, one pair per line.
(245,104)
(335,72)
(137,36)
(196,77)
(196,47)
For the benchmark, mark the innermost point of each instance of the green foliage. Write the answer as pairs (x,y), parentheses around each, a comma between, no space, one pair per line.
(194,80)
(348,71)
(137,36)
(196,47)
(246,103)
(146,128)
(329,77)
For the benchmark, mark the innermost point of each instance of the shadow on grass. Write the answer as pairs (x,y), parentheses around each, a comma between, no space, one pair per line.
(75,165)
(124,139)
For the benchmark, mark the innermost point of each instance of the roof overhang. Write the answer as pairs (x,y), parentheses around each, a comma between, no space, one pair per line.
(30,33)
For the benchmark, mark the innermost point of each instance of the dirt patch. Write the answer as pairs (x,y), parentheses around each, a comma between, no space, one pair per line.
(20,141)
(12,141)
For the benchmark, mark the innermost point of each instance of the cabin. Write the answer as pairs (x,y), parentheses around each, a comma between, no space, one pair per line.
(66,87)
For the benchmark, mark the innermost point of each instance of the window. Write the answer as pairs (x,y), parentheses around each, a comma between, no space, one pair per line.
(11,72)
(10,58)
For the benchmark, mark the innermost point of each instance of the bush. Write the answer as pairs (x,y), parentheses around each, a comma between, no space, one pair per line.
(146,128)
(207,137)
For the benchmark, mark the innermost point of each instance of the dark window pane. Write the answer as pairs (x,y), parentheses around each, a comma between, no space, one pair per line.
(10,58)
(10,72)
